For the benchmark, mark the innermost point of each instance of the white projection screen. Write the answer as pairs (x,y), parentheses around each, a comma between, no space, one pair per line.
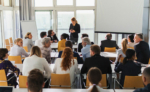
(119,16)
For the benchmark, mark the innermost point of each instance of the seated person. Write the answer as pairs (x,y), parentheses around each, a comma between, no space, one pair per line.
(86,48)
(67,64)
(45,49)
(146,81)
(61,43)
(96,60)
(52,36)
(95,76)
(39,41)
(75,54)
(17,49)
(28,41)
(35,81)
(80,44)
(108,42)
(131,41)
(128,67)
(7,65)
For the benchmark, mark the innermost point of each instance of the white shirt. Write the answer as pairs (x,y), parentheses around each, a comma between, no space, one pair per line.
(72,71)
(35,62)
(28,42)
(18,51)
(131,44)
(39,42)
(119,51)
(99,89)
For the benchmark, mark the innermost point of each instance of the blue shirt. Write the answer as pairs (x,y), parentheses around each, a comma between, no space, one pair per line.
(145,89)
(86,52)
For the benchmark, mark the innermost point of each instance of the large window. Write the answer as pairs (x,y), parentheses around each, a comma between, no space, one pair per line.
(85,2)
(17,2)
(1,41)
(7,2)
(64,2)
(43,3)
(17,24)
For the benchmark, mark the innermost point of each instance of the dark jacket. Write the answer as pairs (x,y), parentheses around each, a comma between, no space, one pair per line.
(108,43)
(54,38)
(76,28)
(97,61)
(142,52)
(145,89)
(80,46)
(130,68)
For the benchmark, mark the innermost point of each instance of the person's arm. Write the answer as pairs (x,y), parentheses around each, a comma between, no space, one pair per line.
(59,55)
(118,67)
(109,67)
(79,47)
(13,68)
(77,29)
(48,57)
(76,67)
(80,61)
(23,52)
(55,66)
(83,54)
(84,67)
(118,53)
(31,43)
(70,28)
(47,69)
(56,38)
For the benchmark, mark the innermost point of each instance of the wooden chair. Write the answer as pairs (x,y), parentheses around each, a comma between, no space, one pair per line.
(11,41)
(17,59)
(110,49)
(60,81)
(22,81)
(3,79)
(25,48)
(133,82)
(121,60)
(149,61)
(8,48)
(130,47)
(7,44)
(75,58)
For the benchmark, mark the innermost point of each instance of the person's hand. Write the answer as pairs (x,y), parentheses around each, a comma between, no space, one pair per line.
(73,31)
(55,41)
(70,31)
(120,56)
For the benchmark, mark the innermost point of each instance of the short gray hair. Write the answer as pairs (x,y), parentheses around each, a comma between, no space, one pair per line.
(45,40)
(140,35)
(86,40)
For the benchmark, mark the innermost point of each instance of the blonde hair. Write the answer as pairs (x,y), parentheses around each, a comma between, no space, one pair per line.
(35,50)
(18,39)
(27,35)
(74,19)
(124,45)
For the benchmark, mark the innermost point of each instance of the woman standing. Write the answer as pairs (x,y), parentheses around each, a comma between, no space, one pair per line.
(74,30)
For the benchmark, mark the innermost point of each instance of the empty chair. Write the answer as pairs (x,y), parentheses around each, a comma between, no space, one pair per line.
(17,59)
(11,41)
(22,81)
(25,48)
(110,49)
(3,79)
(7,44)
(130,47)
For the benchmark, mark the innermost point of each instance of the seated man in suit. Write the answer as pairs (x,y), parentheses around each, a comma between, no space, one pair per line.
(80,44)
(52,36)
(96,60)
(146,81)
(141,49)
(108,42)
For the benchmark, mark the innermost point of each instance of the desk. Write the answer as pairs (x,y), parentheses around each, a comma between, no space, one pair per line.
(124,90)
(55,46)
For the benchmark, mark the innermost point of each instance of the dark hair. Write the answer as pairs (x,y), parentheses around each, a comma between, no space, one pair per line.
(109,36)
(146,73)
(96,49)
(68,44)
(35,80)
(42,34)
(129,54)
(94,76)
(65,36)
(131,37)
(140,35)
(50,32)
(3,52)
(85,35)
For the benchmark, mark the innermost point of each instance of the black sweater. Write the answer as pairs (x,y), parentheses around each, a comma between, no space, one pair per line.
(76,28)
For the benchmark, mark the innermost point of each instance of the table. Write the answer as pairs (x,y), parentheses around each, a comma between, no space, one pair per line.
(55,46)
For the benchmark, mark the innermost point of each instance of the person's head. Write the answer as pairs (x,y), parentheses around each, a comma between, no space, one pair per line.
(3,53)
(130,55)
(64,36)
(19,42)
(85,41)
(73,20)
(35,81)
(51,33)
(67,57)
(68,44)
(95,49)
(84,35)
(95,76)
(43,34)
(109,36)
(35,50)
(138,38)
(46,41)
(130,38)
(124,44)
(146,76)
(28,35)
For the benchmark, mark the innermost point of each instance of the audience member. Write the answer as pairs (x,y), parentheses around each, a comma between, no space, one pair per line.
(75,54)
(17,49)
(7,65)
(131,41)
(35,81)
(146,81)
(61,44)
(108,42)
(86,48)
(28,41)
(128,67)
(80,44)
(52,36)
(95,76)
(45,49)
(96,60)
(67,64)
(39,41)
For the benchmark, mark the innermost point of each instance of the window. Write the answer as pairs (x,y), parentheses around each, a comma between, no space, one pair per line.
(64,2)
(7,2)
(43,3)
(1,41)
(85,2)
(17,24)
(17,2)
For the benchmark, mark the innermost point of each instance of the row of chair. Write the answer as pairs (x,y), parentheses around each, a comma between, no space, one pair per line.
(9,43)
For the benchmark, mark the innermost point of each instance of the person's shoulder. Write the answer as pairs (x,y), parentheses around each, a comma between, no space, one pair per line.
(141,90)
(80,44)
(103,40)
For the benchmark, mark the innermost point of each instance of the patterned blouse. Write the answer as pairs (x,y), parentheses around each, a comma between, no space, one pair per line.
(46,53)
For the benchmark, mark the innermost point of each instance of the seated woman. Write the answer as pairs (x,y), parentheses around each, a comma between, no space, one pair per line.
(61,44)
(131,41)
(45,49)
(95,76)
(52,36)
(67,64)
(17,49)
(128,67)
(7,65)
(35,61)
(28,41)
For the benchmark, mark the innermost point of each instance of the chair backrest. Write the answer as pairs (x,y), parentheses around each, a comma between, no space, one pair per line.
(22,81)
(17,59)
(8,48)
(3,79)
(130,47)
(25,48)
(133,82)
(149,61)
(11,41)
(60,81)
(121,60)
(110,49)
(7,42)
